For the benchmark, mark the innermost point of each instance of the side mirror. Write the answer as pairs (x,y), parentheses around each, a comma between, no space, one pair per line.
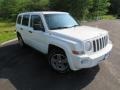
(38,27)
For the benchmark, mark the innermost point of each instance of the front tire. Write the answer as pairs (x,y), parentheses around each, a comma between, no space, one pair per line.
(58,61)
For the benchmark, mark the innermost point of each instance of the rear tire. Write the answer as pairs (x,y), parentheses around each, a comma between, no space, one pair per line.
(20,41)
(58,61)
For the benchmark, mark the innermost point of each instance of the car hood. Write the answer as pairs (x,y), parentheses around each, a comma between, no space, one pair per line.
(80,32)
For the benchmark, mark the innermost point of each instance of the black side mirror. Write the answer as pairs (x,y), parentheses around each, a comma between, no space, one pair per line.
(38,27)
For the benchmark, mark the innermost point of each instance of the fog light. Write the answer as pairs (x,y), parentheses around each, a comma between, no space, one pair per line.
(84,61)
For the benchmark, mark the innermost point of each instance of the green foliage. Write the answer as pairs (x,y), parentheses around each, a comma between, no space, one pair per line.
(78,8)
(115,7)
(99,8)
(81,9)
(10,8)
(32,5)
(7,8)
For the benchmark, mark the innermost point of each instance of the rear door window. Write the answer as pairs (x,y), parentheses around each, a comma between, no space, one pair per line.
(25,20)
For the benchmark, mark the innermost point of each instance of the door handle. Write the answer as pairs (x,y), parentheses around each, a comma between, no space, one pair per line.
(30,31)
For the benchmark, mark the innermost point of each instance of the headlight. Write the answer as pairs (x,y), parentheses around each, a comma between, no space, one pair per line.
(88,46)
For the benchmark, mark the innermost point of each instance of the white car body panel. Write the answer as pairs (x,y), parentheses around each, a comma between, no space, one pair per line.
(81,32)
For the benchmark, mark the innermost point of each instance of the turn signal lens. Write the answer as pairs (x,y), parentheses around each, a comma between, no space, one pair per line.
(77,52)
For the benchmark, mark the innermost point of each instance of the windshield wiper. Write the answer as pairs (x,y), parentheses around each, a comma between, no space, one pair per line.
(75,25)
(64,27)
(59,28)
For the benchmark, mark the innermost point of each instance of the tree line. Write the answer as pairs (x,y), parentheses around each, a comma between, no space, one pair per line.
(81,9)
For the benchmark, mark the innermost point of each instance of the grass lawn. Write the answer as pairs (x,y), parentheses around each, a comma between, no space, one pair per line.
(7,31)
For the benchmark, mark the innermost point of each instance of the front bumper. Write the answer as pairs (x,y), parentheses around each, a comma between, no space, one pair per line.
(88,61)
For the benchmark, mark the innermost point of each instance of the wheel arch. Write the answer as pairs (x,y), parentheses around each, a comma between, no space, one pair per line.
(63,47)
(18,34)
(52,46)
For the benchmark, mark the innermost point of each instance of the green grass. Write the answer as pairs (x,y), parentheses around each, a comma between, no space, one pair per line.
(108,17)
(7,31)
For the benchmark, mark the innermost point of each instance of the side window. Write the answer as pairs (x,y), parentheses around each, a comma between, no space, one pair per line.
(19,19)
(25,20)
(36,23)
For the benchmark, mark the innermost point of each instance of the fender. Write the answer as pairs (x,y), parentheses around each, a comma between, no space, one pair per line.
(66,45)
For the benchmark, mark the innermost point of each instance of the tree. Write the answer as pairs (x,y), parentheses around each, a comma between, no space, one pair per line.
(115,7)
(7,8)
(78,8)
(10,8)
(82,9)
(99,8)
(30,5)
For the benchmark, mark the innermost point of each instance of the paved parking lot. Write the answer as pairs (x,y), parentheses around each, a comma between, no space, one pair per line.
(27,69)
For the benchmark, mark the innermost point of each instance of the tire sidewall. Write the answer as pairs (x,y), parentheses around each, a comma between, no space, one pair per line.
(20,40)
(57,51)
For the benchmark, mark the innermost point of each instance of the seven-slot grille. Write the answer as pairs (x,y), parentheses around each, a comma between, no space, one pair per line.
(99,43)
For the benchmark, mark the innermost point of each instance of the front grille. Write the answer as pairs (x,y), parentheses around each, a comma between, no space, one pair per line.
(100,43)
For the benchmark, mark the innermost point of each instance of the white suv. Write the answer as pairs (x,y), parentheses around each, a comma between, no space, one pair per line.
(68,45)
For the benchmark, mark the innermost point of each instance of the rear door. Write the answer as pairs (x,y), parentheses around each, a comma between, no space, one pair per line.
(24,28)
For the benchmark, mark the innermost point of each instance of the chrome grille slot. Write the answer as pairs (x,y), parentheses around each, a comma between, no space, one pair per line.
(97,44)
(94,46)
(103,42)
(100,43)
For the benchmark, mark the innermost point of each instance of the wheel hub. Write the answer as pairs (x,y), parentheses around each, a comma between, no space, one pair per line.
(59,62)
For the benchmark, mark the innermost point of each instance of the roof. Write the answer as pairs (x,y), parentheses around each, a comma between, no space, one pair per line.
(45,12)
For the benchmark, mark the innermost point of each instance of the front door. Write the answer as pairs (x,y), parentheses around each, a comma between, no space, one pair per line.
(38,35)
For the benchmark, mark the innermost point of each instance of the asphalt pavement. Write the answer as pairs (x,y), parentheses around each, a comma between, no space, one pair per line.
(28,69)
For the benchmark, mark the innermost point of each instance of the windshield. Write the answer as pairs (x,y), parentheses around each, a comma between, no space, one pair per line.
(60,21)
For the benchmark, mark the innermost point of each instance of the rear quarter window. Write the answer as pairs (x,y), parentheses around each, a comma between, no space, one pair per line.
(25,20)
(19,19)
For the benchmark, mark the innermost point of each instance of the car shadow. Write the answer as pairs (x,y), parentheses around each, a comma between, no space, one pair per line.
(27,69)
